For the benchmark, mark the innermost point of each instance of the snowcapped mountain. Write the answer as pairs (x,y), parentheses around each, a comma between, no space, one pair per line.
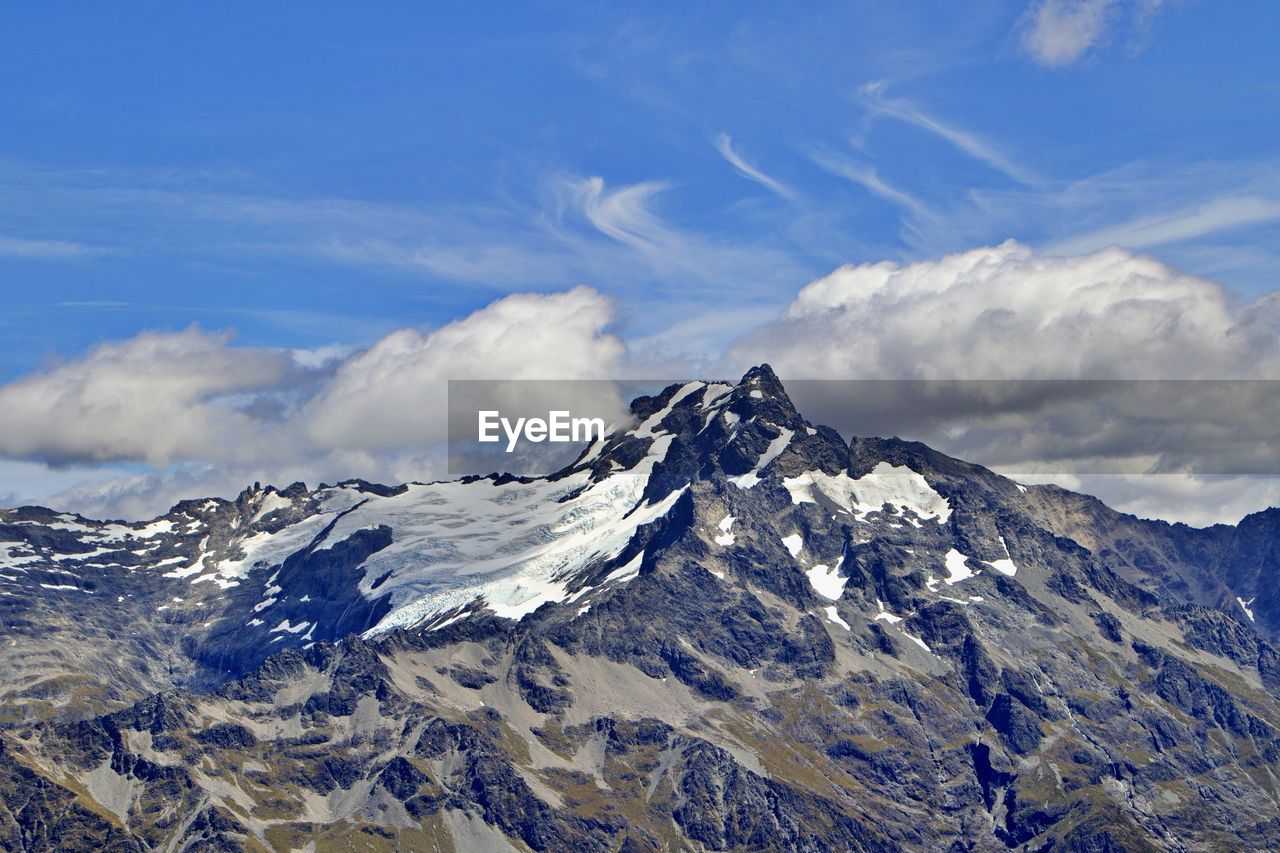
(722,627)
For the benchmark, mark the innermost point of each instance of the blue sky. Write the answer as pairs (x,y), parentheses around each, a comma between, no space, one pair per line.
(286,170)
(318,175)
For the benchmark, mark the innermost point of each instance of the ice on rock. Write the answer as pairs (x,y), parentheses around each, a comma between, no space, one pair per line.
(726,537)
(272,502)
(834,616)
(1245,606)
(772,452)
(956,568)
(885,615)
(1004,566)
(919,642)
(651,423)
(514,545)
(897,486)
(826,581)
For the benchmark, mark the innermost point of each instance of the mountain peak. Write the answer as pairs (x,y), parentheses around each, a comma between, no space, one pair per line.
(717,581)
(761,382)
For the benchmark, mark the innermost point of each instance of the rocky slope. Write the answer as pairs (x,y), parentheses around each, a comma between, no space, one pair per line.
(723,628)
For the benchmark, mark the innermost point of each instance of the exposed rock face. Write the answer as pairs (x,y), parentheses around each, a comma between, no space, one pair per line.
(722,628)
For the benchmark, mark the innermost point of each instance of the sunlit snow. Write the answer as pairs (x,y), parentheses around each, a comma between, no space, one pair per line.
(726,537)
(897,486)
(826,581)
(772,452)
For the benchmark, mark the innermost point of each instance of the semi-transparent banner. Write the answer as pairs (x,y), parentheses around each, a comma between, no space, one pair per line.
(1204,427)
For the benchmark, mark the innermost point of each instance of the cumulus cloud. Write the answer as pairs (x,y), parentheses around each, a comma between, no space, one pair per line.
(389,396)
(1041,331)
(213,416)
(154,398)
(1007,312)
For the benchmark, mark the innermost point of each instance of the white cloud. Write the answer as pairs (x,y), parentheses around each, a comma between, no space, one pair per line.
(1058,33)
(390,396)
(190,396)
(15,247)
(1210,217)
(1199,501)
(209,418)
(624,213)
(867,177)
(724,144)
(1008,312)
(154,398)
(691,263)
(873,98)
(214,417)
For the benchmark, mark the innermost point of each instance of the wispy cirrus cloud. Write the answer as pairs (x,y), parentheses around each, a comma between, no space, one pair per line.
(868,178)
(874,100)
(748,170)
(1209,217)
(48,250)
(543,229)
(624,213)
(698,263)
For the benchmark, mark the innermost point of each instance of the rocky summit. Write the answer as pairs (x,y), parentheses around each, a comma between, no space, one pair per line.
(721,628)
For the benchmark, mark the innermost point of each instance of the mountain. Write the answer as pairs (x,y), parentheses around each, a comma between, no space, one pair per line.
(721,628)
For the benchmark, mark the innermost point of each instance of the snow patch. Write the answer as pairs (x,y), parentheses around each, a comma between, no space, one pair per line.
(726,537)
(834,616)
(1004,566)
(646,429)
(885,615)
(827,581)
(919,642)
(272,502)
(897,486)
(1244,605)
(793,544)
(956,568)
(772,452)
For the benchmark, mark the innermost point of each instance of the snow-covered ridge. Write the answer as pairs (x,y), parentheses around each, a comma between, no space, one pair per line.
(505,546)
